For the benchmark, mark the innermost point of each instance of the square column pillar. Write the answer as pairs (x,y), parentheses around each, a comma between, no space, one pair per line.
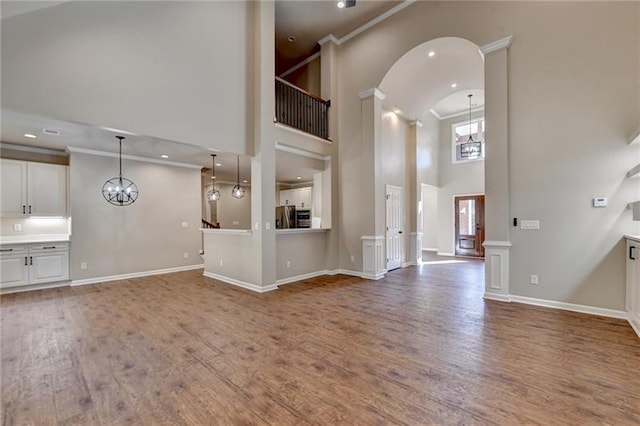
(414,194)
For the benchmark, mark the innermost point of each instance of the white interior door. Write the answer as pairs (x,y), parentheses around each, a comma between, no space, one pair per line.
(394,238)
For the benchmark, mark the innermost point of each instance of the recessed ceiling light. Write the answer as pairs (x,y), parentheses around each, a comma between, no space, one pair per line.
(164,156)
(432,54)
(213,177)
(291,39)
(298,177)
(245,181)
(454,85)
(218,165)
(30,135)
(340,5)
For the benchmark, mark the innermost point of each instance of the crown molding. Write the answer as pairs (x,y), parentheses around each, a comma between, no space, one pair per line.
(372,92)
(329,38)
(503,43)
(301,64)
(302,152)
(34,149)
(457,114)
(74,149)
(416,123)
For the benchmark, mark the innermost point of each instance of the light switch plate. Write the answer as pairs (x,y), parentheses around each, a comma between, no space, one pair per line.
(530,224)
(185,224)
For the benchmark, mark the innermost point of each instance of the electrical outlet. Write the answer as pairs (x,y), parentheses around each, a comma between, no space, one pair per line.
(17,227)
(353,259)
(185,224)
(534,279)
(186,255)
(220,262)
(288,264)
(83,265)
(235,222)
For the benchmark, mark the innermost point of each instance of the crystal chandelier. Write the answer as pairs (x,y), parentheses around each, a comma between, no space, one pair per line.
(471,148)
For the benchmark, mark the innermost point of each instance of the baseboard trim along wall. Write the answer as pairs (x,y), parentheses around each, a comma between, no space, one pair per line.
(32,287)
(301,277)
(98,280)
(583,309)
(239,283)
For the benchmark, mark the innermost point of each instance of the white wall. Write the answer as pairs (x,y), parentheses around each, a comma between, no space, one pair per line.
(144,236)
(455,179)
(174,70)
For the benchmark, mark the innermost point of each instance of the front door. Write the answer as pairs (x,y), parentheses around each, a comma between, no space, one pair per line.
(394,237)
(469,211)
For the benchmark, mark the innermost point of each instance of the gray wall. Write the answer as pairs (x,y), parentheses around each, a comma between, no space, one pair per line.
(429,217)
(304,251)
(232,210)
(144,236)
(174,70)
(455,179)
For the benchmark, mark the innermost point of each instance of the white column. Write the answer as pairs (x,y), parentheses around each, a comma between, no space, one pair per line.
(414,194)
(374,263)
(497,218)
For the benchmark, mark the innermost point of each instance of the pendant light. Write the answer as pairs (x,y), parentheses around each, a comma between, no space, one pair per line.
(238,190)
(471,148)
(213,194)
(120,191)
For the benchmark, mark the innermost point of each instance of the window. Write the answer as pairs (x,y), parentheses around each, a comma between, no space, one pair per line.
(460,134)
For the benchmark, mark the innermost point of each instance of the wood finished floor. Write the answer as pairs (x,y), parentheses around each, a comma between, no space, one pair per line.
(418,347)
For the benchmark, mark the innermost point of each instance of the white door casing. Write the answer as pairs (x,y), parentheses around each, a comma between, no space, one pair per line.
(394,232)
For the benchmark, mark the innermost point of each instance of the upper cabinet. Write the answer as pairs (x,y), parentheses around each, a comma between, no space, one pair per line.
(33,189)
(299,197)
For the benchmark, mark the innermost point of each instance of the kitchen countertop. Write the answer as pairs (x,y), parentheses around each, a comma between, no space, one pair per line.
(632,237)
(35,238)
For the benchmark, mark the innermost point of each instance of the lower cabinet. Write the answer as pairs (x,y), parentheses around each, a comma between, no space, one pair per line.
(28,264)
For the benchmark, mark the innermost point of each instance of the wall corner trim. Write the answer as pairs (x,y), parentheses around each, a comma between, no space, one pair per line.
(300,64)
(494,46)
(416,123)
(374,91)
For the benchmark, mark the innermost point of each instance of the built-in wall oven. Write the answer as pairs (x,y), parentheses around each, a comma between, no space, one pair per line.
(303,218)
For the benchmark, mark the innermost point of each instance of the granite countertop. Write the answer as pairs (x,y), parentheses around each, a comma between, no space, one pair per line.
(35,238)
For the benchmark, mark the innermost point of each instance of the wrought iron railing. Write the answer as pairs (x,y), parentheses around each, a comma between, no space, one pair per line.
(301,110)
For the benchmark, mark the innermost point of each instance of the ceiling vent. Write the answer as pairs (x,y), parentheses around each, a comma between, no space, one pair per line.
(52,132)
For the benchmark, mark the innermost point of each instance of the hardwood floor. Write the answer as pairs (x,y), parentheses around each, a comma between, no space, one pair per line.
(418,347)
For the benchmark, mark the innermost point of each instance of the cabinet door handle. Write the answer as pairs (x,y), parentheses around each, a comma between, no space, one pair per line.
(24,209)
(29,209)
(632,252)
(25,261)
(30,260)
(6,249)
(48,247)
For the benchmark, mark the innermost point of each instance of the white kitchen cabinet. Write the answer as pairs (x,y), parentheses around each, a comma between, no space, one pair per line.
(14,269)
(30,264)
(33,189)
(300,197)
(633,284)
(13,188)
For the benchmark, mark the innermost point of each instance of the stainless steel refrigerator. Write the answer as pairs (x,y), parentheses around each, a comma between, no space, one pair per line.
(285,217)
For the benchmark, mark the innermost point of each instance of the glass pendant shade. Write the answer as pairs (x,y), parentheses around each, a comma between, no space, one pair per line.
(213,194)
(471,148)
(120,191)
(238,190)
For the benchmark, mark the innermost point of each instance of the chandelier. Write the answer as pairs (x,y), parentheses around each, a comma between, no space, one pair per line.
(120,191)
(471,148)
(238,190)
(213,194)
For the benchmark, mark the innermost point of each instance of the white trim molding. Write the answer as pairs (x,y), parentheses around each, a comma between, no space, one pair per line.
(496,282)
(301,64)
(329,38)
(583,309)
(218,231)
(301,277)
(120,277)
(415,248)
(300,132)
(374,91)
(416,123)
(503,43)
(373,257)
(299,151)
(634,138)
(73,149)
(239,283)
(34,149)
(31,287)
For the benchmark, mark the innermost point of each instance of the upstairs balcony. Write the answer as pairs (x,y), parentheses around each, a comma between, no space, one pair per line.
(301,110)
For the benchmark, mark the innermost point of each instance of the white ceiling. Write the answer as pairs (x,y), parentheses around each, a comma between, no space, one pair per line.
(311,20)
(13,8)
(458,103)
(417,82)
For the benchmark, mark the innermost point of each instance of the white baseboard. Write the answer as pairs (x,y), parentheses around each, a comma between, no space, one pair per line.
(345,272)
(240,283)
(301,277)
(635,325)
(442,253)
(498,297)
(24,288)
(371,276)
(430,249)
(135,275)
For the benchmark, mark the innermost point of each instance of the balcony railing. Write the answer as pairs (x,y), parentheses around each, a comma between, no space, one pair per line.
(301,110)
